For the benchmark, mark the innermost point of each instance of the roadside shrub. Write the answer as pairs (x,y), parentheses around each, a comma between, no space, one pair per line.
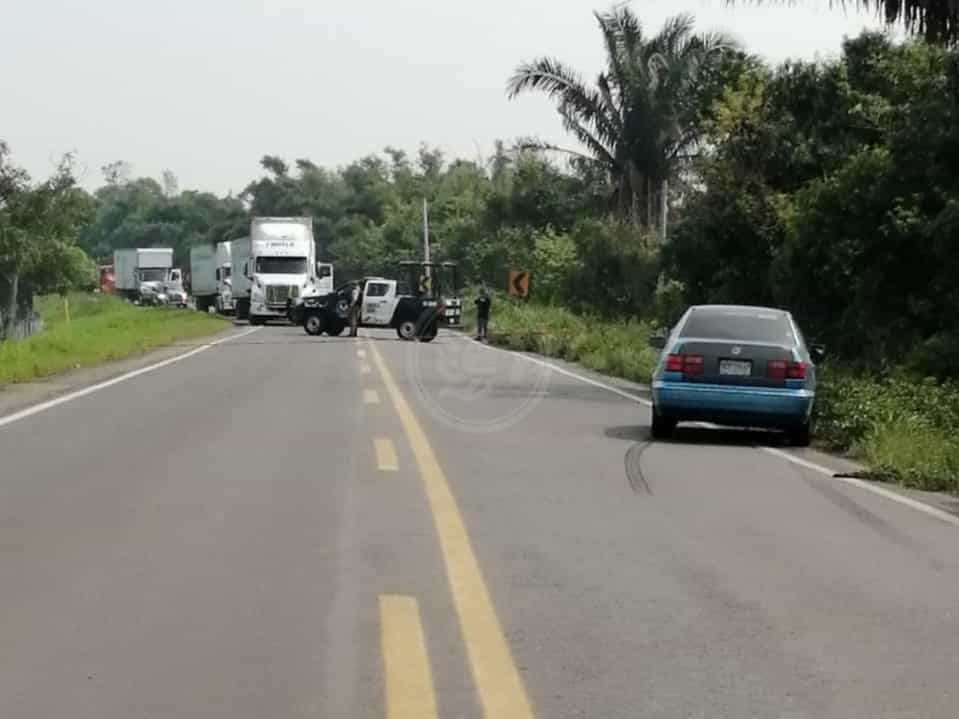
(617,348)
(915,455)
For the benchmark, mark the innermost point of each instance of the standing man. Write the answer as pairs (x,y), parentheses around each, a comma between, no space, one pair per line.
(355,304)
(483,303)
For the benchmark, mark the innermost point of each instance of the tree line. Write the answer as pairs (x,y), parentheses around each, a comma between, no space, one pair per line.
(699,173)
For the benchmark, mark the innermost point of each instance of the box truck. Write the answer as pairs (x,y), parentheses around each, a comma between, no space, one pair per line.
(203,283)
(147,275)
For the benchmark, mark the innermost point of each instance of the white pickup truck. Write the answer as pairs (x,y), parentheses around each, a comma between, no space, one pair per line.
(386,303)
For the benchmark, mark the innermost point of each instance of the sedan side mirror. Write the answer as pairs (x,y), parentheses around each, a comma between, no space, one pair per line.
(817,352)
(657,341)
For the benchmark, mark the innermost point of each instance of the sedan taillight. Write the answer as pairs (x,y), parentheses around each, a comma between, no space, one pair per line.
(687,364)
(781,369)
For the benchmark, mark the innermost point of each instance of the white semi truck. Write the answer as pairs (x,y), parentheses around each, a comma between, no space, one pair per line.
(276,263)
(147,275)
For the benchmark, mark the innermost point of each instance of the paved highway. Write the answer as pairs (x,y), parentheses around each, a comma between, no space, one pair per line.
(285,526)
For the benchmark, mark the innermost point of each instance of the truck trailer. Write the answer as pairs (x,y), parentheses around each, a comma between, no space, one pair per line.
(203,283)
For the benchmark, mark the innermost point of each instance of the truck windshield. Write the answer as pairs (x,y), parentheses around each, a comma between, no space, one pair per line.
(281,265)
(155,275)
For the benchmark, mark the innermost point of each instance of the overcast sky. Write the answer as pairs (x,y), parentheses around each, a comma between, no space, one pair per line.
(206,87)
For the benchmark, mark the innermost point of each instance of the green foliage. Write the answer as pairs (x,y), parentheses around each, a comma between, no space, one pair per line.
(642,119)
(101,328)
(914,456)
(39,225)
(618,348)
(555,262)
(669,301)
(832,189)
(139,213)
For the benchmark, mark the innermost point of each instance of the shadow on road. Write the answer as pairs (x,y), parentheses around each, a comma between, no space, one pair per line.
(724,437)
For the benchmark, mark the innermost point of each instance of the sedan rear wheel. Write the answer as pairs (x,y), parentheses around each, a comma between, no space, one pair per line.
(662,427)
(800,436)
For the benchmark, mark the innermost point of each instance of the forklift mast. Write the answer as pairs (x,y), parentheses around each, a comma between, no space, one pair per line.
(440,281)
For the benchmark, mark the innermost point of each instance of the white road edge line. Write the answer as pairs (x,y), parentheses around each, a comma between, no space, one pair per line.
(791,458)
(70,396)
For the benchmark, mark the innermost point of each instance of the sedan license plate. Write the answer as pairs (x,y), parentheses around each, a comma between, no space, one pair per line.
(737,368)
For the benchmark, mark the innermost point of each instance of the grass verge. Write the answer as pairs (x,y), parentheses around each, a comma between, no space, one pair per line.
(614,348)
(101,328)
(899,426)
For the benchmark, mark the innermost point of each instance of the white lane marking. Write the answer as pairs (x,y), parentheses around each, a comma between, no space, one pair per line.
(370,396)
(361,354)
(560,370)
(386,460)
(69,397)
(868,486)
(793,459)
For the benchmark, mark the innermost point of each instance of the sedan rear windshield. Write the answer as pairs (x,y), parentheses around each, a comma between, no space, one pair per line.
(281,265)
(739,326)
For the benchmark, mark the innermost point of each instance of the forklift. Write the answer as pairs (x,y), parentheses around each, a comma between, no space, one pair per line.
(438,281)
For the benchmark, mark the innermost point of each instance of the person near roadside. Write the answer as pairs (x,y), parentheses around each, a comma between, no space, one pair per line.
(483,303)
(355,303)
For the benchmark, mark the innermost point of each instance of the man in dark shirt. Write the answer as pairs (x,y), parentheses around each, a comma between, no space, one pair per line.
(356,300)
(483,303)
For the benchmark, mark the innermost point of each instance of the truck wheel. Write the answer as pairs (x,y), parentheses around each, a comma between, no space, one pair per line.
(335,330)
(429,334)
(243,309)
(256,320)
(406,330)
(313,324)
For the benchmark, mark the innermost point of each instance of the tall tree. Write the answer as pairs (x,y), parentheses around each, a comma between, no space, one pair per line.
(640,120)
(38,228)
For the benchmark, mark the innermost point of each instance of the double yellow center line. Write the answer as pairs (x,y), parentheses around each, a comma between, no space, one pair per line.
(498,682)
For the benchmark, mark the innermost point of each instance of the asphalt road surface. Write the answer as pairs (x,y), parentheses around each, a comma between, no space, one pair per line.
(285,526)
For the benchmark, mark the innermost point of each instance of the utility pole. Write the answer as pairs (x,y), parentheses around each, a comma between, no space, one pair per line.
(426,232)
(663,210)
(426,246)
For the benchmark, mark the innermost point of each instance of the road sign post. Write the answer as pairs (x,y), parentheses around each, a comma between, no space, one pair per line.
(519,284)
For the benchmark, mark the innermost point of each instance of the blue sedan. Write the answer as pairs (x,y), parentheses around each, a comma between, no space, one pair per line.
(735,365)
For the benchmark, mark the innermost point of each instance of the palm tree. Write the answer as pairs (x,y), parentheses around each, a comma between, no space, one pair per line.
(637,122)
(935,20)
